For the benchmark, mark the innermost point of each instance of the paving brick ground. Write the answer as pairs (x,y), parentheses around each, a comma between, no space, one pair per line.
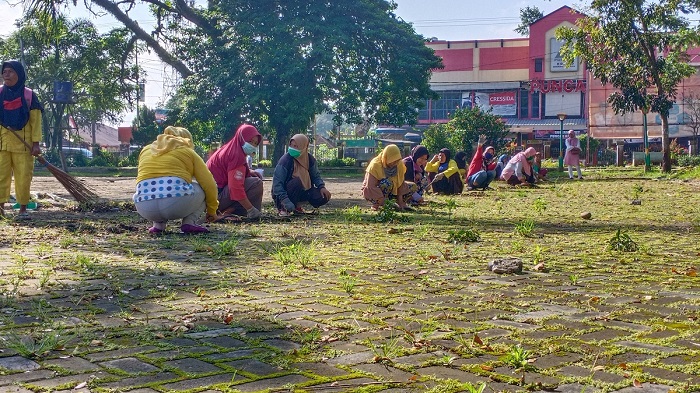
(143,343)
(228,357)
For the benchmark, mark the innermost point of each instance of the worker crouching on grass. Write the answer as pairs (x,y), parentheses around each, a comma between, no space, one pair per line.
(385,179)
(164,187)
(21,116)
(297,179)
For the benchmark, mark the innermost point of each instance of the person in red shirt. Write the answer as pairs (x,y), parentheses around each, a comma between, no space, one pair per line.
(240,189)
(482,169)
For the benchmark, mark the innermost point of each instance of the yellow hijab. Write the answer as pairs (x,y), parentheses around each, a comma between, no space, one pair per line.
(172,138)
(376,167)
(301,164)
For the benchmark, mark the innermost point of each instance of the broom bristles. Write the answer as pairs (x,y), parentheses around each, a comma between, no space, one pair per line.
(76,188)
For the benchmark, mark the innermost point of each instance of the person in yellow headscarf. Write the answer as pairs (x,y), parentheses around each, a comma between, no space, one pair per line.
(384,179)
(297,179)
(164,187)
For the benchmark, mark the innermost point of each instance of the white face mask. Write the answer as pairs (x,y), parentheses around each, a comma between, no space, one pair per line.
(249,149)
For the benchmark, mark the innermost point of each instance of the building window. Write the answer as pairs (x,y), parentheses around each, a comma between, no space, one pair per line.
(446,105)
(523,109)
(423,113)
(538,65)
(535,114)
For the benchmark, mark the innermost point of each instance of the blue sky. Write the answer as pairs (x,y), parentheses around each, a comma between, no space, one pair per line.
(468,20)
(444,19)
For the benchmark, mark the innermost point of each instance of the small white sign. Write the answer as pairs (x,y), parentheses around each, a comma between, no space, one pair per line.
(556,63)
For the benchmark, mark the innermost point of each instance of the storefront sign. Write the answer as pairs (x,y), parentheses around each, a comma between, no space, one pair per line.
(505,98)
(558,85)
(501,103)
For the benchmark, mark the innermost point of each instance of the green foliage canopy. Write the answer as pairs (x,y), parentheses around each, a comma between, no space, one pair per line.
(462,131)
(528,16)
(638,47)
(99,65)
(277,64)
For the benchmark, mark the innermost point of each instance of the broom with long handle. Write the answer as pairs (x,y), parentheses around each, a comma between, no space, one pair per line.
(77,189)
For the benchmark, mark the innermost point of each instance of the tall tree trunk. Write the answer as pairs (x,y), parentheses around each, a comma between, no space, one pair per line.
(666,144)
(281,139)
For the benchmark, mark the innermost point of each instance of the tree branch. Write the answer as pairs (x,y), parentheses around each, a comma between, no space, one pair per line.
(141,34)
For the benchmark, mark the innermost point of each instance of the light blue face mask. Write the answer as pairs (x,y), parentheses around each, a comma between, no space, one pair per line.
(249,149)
(295,153)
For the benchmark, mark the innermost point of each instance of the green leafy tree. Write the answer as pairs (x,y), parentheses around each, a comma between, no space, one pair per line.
(640,48)
(467,124)
(99,65)
(146,129)
(277,64)
(436,137)
(528,16)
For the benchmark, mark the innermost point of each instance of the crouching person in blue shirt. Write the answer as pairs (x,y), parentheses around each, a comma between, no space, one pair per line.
(297,179)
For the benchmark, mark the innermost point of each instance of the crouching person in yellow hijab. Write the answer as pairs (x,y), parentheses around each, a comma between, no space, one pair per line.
(164,187)
(384,179)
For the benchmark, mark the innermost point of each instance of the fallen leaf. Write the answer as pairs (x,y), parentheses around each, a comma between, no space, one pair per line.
(539,267)
(478,340)
(637,384)
(598,368)
(80,385)
(422,272)
(228,319)
(413,378)
(486,368)
(622,366)
(96,343)
(691,273)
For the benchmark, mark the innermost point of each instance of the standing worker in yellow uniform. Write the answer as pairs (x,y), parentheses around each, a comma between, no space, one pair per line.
(21,113)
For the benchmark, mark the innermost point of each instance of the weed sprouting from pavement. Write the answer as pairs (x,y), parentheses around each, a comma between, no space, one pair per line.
(297,252)
(34,346)
(352,214)
(226,248)
(525,228)
(539,205)
(463,235)
(517,357)
(622,242)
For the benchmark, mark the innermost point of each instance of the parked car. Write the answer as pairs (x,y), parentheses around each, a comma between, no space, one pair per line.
(74,151)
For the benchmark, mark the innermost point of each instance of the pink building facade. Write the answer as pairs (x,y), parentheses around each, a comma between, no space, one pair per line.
(525,81)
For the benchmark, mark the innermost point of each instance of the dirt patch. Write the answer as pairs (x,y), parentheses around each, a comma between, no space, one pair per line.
(118,189)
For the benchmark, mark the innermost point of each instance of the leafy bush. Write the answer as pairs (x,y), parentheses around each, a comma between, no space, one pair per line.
(265,163)
(687,160)
(584,142)
(78,160)
(676,151)
(338,162)
(436,137)
(131,160)
(104,158)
